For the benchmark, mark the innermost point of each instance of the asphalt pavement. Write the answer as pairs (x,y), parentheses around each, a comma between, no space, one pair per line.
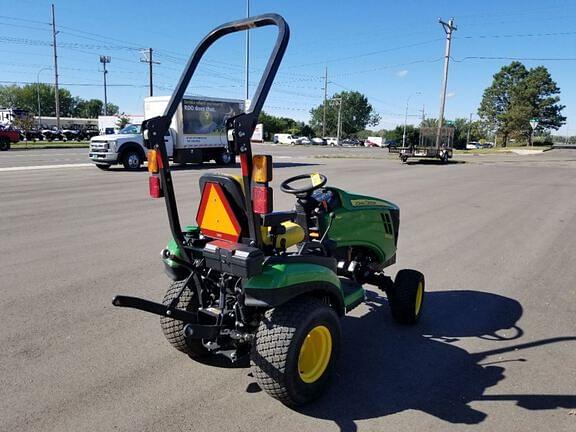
(495,349)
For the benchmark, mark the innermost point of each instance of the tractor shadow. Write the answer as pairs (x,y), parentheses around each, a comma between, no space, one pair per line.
(386,368)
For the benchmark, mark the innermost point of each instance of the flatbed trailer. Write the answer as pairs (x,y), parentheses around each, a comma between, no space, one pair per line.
(427,148)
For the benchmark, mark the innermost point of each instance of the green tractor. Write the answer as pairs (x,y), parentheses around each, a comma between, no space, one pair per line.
(249,281)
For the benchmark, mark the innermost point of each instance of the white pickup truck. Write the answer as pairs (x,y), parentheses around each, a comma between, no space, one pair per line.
(197,134)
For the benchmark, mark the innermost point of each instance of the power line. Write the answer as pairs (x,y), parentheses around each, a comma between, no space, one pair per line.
(518,35)
(514,58)
(367,54)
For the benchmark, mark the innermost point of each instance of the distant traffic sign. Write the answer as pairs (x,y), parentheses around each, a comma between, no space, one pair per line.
(534,123)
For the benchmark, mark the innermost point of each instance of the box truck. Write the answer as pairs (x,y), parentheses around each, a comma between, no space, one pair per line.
(197,134)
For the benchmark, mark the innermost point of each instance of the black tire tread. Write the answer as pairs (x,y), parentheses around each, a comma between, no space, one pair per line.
(173,329)
(403,294)
(273,339)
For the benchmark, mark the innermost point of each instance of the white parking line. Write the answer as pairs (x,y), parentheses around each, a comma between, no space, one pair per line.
(45,167)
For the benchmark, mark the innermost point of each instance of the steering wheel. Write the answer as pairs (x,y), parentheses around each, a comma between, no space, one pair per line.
(285,186)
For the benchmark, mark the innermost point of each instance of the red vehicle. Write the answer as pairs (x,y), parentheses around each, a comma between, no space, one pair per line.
(7,137)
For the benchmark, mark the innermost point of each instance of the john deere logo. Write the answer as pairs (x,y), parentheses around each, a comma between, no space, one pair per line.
(365,203)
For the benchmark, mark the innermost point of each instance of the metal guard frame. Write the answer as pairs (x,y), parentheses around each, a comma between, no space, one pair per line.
(242,125)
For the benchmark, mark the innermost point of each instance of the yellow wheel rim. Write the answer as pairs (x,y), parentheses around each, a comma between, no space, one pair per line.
(419,295)
(315,354)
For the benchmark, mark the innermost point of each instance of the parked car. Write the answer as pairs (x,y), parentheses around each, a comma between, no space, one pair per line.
(7,137)
(375,142)
(473,145)
(286,139)
(331,141)
(318,141)
(52,134)
(71,134)
(392,146)
(350,142)
(304,141)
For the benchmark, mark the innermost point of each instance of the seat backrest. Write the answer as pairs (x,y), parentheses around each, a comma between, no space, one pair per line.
(232,189)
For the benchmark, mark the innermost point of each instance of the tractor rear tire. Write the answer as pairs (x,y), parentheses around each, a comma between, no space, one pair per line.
(4,144)
(296,349)
(406,296)
(173,329)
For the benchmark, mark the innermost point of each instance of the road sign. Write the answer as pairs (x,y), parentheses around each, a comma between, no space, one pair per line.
(534,123)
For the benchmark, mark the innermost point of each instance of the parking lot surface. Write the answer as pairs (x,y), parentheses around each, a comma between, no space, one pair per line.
(496,346)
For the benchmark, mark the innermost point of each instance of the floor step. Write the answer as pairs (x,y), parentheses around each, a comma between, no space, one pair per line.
(353,293)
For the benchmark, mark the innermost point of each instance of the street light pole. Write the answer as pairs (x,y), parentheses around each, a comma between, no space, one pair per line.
(104,60)
(38,93)
(406,119)
(449,28)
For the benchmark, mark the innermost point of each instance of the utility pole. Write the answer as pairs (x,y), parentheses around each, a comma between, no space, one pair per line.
(469,128)
(325,98)
(56,92)
(423,113)
(449,28)
(148,59)
(247,70)
(339,126)
(104,60)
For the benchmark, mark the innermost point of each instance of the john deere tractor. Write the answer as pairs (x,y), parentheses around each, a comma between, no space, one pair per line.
(271,285)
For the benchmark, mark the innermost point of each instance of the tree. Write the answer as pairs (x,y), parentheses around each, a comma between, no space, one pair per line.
(25,122)
(396,134)
(517,95)
(111,109)
(88,108)
(26,97)
(273,125)
(357,113)
(123,120)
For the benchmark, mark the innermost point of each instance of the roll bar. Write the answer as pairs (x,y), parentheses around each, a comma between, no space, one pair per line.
(239,128)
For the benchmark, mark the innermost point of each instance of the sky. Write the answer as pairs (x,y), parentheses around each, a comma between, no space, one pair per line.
(392,51)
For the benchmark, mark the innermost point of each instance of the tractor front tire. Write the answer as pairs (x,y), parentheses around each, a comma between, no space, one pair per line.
(296,349)
(406,296)
(173,329)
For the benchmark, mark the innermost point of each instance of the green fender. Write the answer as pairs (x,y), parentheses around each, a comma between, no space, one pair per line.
(281,282)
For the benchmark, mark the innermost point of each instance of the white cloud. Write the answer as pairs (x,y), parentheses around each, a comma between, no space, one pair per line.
(450,94)
(402,73)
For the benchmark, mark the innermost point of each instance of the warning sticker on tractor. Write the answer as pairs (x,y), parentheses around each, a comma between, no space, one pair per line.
(316,179)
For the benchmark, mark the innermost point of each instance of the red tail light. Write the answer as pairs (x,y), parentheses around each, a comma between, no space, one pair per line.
(155,188)
(262,199)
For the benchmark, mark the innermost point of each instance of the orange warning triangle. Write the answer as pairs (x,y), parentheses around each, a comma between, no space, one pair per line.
(215,216)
